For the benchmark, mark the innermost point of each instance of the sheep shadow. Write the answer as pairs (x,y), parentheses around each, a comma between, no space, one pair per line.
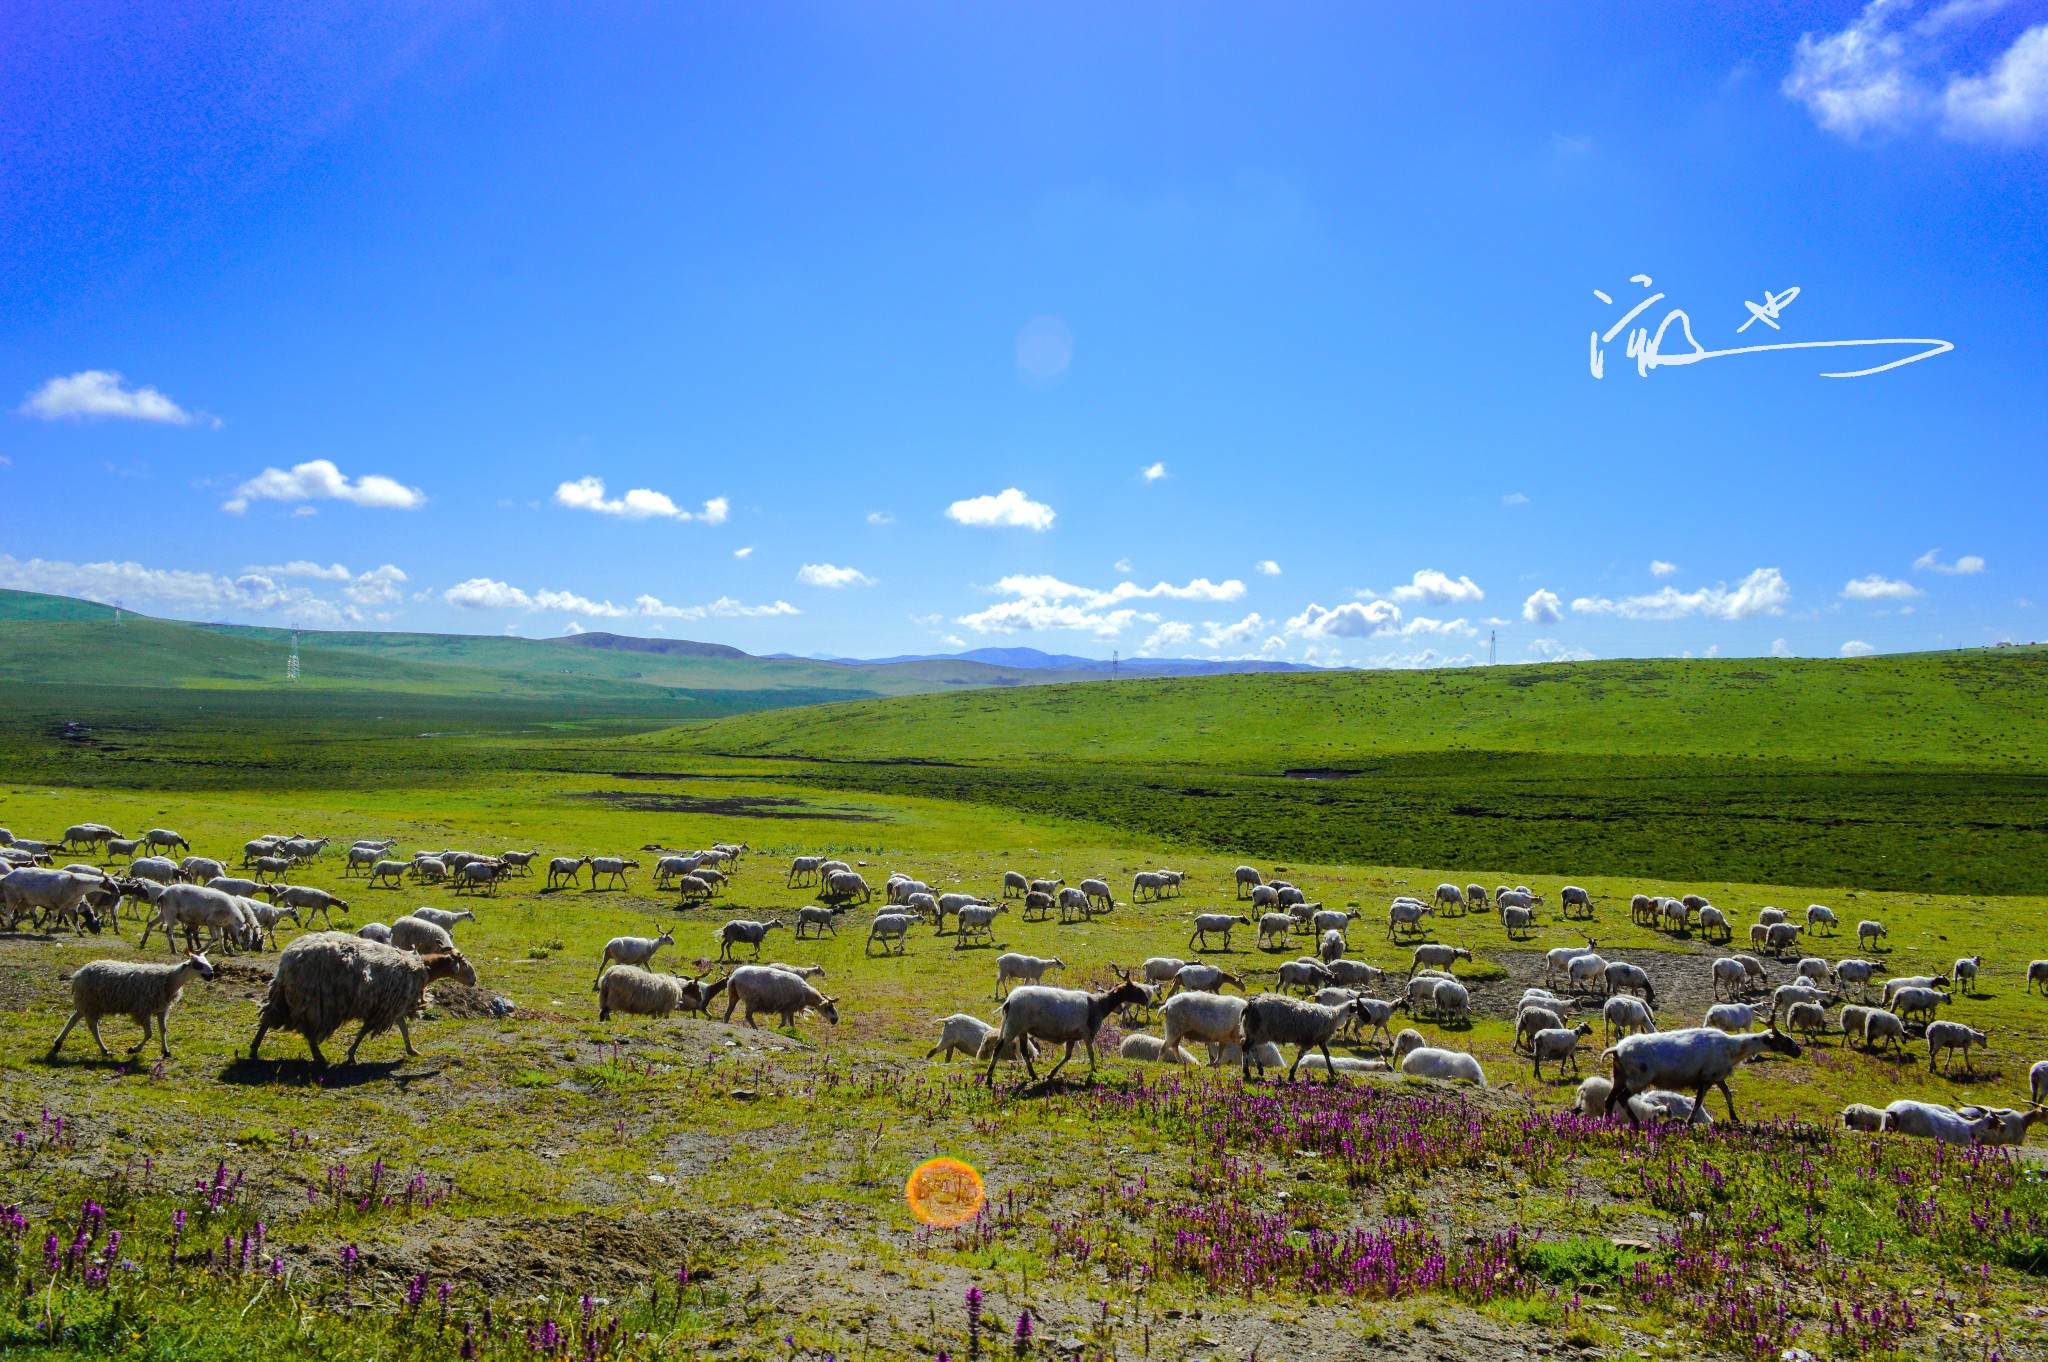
(251,1073)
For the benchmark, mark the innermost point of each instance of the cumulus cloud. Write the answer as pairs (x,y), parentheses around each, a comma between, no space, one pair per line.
(97,394)
(1217,636)
(1966,566)
(320,480)
(256,591)
(1856,647)
(1153,473)
(824,574)
(1543,607)
(1879,588)
(1354,619)
(1035,613)
(1007,507)
(1171,634)
(1888,72)
(1437,589)
(1051,588)
(1763,592)
(1550,650)
(1269,568)
(880,518)
(1660,568)
(485,593)
(746,552)
(639,503)
(1122,565)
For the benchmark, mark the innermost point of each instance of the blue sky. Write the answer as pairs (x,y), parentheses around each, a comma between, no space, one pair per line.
(1197,330)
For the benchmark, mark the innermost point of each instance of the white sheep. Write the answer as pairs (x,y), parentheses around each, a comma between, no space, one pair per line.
(1013,967)
(1622,977)
(443,918)
(1305,974)
(611,868)
(1857,972)
(1861,1116)
(1064,1016)
(1357,973)
(1714,922)
(744,931)
(1918,1002)
(1965,973)
(1247,878)
(819,920)
(1197,977)
(1780,937)
(1790,995)
(2007,1125)
(1808,1019)
(1281,1020)
(1626,1016)
(1332,920)
(1584,970)
(1150,1050)
(1820,915)
(1729,974)
(1274,929)
(375,931)
(1855,1022)
(2037,973)
(970,1036)
(1073,905)
(1015,884)
(1161,970)
(1558,959)
(2037,1083)
(1953,1036)
(1932,1121)
(1734,1018)
(142,992)
(1220,924)
(420,936)
(1406,913)
(888,927)
(1558,1044)
(637,992)
(1657,1106)
(1897,982)
(1206,1018)
(1869,930)
(1435,955)
(562,870)
(1880,1026)
(761,988)
(310,901)
(1429,1062)
(803,870)
(1696,1058)
(628,950)
(1330,946)
(1572,896)
(1518,922)
(976,920)
(1451,1003)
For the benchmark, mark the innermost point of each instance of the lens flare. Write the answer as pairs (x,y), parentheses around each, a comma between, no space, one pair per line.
(945,1192)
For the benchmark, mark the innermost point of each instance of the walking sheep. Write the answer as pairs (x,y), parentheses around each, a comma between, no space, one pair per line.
(970,1036)
(636,992)
(1222,924)
(420,936)
(1869,930)
(1695,1059)
(1558,1044)
(128,988)
(763,988)
(1432,955)
(1281,1020)
(631,950)
(1953,1036)
(1063,1016)
(564,870)
(744,931)
(1202,1017)
(888,927)
(327,979)
(1013,966)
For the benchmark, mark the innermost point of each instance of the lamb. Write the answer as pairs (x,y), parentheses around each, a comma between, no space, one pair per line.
(630,950)
(1859,1116)
(637,992)
(1282,1020)
(1201,978)
(1622,977)
(1918,1002)
(1431,955)
(1808,1019)
(1222,924)
(1558,959)
(744,931)
(1734,1018)
(564,870)
(1357,973)
(1206,1018)
(818,920)
(977,920)
(1428,1062)
(128,988)
(1869,930)
(1879,1027)
(1405,1044)
(420,936)
(1274,930)
(1930,1121)
(326,979)
(1246,876)
(1625,1016)
(1013,965)
(1559,1044)
(310,901)
(1330,946)
(1150,1050)
(443,918)
(1714,922)
(1408,913)
(970,1036)
(888,927)
(1305,974)
(1953,1036)
(759,988)
(1657,1106)
(1759,934)
(1696,1058)
(1965,972)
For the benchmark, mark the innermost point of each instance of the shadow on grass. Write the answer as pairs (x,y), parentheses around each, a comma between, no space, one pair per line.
(252,1073)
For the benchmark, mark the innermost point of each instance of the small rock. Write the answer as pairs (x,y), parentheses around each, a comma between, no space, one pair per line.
(502,1006)
(745,1095)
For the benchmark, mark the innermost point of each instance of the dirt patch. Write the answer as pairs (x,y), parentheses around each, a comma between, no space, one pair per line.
(522,1255)
(458,1001)
(729,806)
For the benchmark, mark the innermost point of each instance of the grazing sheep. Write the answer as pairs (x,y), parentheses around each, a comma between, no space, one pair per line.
(1013,966)
(1519,922)
(420,936)
(1808,1019)
(311,901)
(1406,913)
(1894,984)
(1869,930)
(1781,937)
(1734,1018)
(1432,955)
(1275,930)
(1219,923)
(1543,997)
(846,884)
(818,920)
(267,916)
(889,927)
(1332,920)
(1770,917)
(200,869)
(631,950)
(1451,1003)
(1475,897)
(1730,974)
(158,869)
(1357,973)
(1066,1016)
(1965,972)
(1206,1018)
(1558,959)
(1816,969)
(1305,974)
(429,869)
(192,907)
(1790,995)
(1015,885)
(444,918)
(1713,922)
(1147,883)
(2037,1083)
(1516,898)
(1953,1036)
(1409,1041)
(1643,910)
(1622,977)
(1859,1116)
(744,931)
(1428,1062)
(1570,897)
(1197,977)
(2037,973)
(1530,1019)
(1696,1058)
(1854,1021)
(1247,877)
(977,920)
(1051,886)
(42,893)
(1449,896)
(970,1036)
(1281,1020)
(1626,1016)
(164,837)
(1918,1002)
(1879,1027)
(1931,1121)
(1558,1044)
(1265,896)
(1073,905)
(326,979)
(636,992)
(760,988)
(1420,999)
(128,988)
(1150,1050)
(1759,935)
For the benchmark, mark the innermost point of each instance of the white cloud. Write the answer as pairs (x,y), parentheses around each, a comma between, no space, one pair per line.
(258,591)
(1053,589)
(1881,74)
(824,574)
(1217,636)
(1966,566)
(1550,650)
(1514,499)
(1153,473)
(1782,648)
(1763,592)
(97,393)
(1438,589)
(1122,565)
(746,552)
(1879,588)
(1269,568)
(880,518)
(302,568)
(320,480)
(1424,660)
(1171,634)
(378,586)
(1660,568)
(484,593)
(1543,607)
(1856,647)
(639,503)
(1035,613)
(1007,507)
(572,629)
(1354,619)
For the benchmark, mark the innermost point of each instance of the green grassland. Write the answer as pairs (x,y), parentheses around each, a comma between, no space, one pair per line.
(595,1160)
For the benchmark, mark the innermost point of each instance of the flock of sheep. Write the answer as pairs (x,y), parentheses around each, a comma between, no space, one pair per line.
(378,975)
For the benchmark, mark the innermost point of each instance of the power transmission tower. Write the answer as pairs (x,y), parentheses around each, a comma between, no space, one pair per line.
(117,614)
(1492,637)
(1114,662)
(291,664)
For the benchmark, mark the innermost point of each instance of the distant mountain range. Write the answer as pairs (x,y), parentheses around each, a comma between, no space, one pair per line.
(1031,659)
